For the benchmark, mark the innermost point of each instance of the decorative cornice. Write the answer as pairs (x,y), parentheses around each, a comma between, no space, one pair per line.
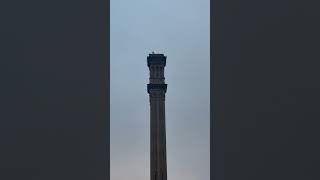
(159,87)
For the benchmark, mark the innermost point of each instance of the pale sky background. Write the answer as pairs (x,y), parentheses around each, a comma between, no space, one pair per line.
(180,29)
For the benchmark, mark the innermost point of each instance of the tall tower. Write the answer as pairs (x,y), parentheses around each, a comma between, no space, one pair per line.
(157,89)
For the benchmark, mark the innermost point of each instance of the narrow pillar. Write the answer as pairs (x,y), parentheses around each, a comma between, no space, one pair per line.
(157,89)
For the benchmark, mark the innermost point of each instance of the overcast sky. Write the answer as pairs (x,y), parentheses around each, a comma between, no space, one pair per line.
(180,29)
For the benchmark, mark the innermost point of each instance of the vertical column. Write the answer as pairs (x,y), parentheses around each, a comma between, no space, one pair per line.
(158,136)
(157,89)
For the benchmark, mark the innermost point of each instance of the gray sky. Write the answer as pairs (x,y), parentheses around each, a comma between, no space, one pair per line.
(180,29)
